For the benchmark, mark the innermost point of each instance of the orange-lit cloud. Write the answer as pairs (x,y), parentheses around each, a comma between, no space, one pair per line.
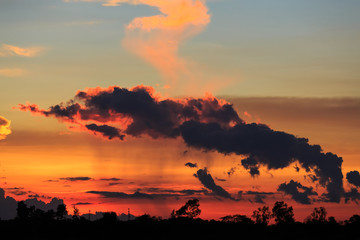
(157,39)
(207,123)
(4,127)
(7,50)
(135,112)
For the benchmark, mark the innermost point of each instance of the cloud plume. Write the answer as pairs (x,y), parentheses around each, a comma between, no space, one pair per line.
(136,112)
(7,50)
(273,149)
(5,129)
(204,123)
(297,191)
(191,165)
(207,180)
(353,177)
(157,39)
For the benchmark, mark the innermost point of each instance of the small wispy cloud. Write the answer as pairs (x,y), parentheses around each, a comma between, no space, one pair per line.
(81,23)
(7,50)
(104,2)
(12,72)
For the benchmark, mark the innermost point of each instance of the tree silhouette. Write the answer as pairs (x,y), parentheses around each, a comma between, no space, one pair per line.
(237,219)
(109,217)
(189,210)
(61,211)
(23,211)
(317,216)
(282,213)
(262,215)
(354,219)
(76,213)
(147,218)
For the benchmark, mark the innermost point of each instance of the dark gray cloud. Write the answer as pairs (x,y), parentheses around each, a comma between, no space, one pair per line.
(352,195)
(74,179)
(83,203)
(136,195)
(18,191)
(52,180)
(258,193)
(353,177)
(149,115)
(252,165)
(254,196)
(259,198)
(114,183)
(231,171)
(240,195)
(273,149)
(151,193)
(110,179)
(34,195)
(220,179)
(207,180)
(205,123)
(106,130)
(185,192)
(297,191)
(191,165)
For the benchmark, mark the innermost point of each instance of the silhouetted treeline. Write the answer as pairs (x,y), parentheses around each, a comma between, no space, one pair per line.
(32,223)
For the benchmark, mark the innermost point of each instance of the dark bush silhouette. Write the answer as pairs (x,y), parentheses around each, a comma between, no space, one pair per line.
(262,215)
(61,211)
(354,219)
(147,218)
(189,210)
(282,213)
(109,217)
(317,216)
(76,213)
(23,212)
(237,219)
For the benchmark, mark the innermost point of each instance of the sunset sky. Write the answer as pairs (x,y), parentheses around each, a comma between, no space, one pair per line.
(99,104)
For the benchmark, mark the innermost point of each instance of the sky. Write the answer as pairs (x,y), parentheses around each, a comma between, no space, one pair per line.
(144,104)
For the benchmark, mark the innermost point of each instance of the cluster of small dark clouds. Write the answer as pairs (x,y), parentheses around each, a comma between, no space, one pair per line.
(209,124)
(258,197)
(353,177)
(151,193)
(297,191)
(208,182)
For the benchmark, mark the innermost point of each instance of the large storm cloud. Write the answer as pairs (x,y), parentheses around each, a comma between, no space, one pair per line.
(204,123)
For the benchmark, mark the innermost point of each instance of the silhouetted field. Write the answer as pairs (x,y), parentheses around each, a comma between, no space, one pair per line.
(181,228)
(32,223)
